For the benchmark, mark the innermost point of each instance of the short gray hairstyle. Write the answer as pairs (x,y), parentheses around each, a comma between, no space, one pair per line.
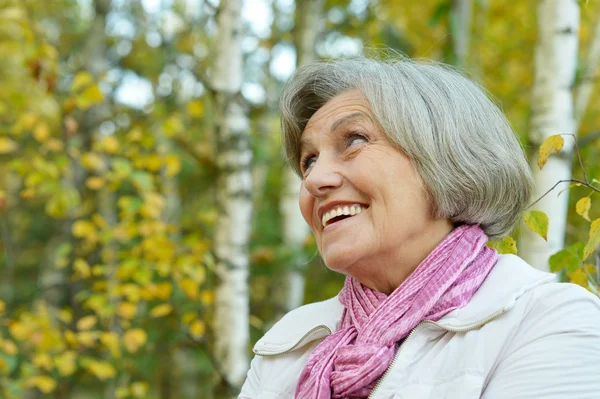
(460,143)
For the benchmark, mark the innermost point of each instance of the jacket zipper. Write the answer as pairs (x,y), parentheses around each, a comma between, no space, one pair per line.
(297,343)
(450,329)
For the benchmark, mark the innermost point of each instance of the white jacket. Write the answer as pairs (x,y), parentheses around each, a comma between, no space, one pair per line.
(522,336)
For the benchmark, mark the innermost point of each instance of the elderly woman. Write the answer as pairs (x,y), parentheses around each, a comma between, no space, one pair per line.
(407,170)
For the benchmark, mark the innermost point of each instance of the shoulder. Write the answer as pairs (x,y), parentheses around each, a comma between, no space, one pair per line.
(283,351)
(301,326)
(563,306)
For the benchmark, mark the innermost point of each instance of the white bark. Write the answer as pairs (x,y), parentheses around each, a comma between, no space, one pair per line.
(461,30)
(234,199)
(585,89)
(552,113)
(308,26)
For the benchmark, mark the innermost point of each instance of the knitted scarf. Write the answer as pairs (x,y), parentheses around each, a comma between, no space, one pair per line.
(348,363)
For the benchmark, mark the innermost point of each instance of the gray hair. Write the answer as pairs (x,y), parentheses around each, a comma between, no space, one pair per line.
(459,141)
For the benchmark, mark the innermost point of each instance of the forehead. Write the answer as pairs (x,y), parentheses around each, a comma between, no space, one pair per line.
(346,107)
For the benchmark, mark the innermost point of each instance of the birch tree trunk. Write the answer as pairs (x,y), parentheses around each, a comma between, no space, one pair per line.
(584,90)
(234,198)
(460,22)
(308,26)
(552,113)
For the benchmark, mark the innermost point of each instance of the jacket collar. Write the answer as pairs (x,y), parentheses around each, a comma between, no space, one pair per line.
(508,281)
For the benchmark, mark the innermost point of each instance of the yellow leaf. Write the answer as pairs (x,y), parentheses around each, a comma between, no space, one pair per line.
(65,315)
(2,307)
(41,132)
(71,338)
(537,221)
(173,165)
(131,291)
(102,370)
(507,245)
(111,341)
(81,80)
(81,268)
(20,331)
(172,126)
(54,145)
(207,297)
(42,382)
(110,145)
(126,310)
(99,220)
(594,239)
(153,163)
(189,287)
(195,108)
(163,290)
(83,228)
(89,96)
(86,323)
(87,338)
(552,144)
(28,193)
(28,120)
(3,366)
(134,339)
(579,277)
(95,183)
(7,145)
(122,392)
(161,310)
(42,360)
(188,317)
(583,207)
(65,363)
(139,389)
(92,161)
(9,347)
(197,329)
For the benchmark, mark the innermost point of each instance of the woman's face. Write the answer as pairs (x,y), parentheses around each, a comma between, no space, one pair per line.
(350,167)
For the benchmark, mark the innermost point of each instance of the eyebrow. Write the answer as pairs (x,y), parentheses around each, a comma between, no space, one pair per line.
(338,123)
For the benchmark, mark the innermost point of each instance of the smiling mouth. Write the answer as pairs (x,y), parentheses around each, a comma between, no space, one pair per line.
(341,212)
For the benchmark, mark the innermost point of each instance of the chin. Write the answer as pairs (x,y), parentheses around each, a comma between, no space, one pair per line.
(339,261)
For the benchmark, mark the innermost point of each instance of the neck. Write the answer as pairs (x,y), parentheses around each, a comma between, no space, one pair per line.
(387,272)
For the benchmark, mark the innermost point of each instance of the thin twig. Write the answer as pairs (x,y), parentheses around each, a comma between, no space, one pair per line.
(579,158)
(566,181)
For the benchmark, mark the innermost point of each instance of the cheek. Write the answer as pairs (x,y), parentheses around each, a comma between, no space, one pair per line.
(306,202)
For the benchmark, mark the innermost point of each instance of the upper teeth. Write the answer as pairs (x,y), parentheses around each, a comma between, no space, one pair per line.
(342,210)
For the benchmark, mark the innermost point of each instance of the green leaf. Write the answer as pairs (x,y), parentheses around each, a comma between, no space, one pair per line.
(537,221)
(142,181)
(569,258)
(594,239)
(507,245)
(552,144)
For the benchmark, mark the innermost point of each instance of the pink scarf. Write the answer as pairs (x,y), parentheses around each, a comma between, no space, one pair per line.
(348,363)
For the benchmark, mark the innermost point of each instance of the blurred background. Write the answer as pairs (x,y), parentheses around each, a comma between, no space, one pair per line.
(149,227)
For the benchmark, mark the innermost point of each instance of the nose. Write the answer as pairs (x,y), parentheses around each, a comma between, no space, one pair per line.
(323,178)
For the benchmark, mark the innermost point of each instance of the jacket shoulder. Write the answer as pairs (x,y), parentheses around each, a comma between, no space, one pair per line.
(301,326)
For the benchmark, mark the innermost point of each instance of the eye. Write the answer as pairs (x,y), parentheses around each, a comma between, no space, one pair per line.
(307,162)
(355,138)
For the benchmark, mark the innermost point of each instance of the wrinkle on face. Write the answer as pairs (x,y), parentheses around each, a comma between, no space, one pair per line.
(383,245)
